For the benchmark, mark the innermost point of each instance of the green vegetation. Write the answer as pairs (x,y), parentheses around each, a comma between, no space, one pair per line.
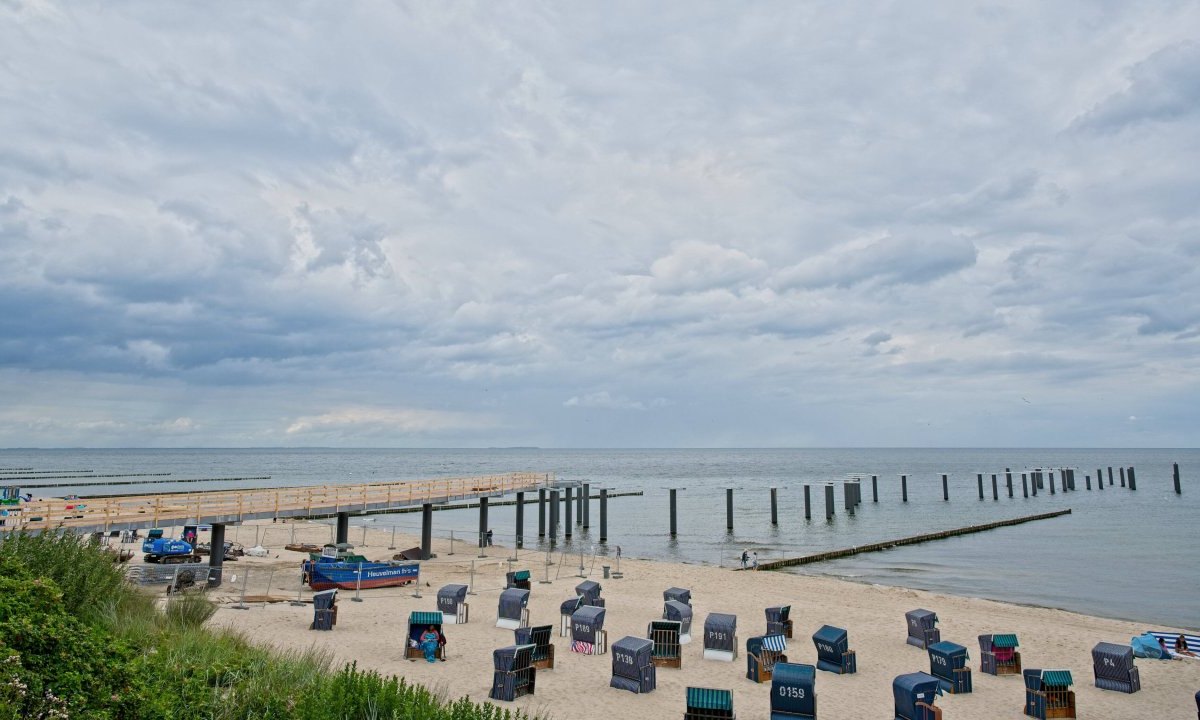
(76,641)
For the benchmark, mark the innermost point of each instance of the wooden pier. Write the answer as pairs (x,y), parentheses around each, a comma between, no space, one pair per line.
(913,540)
(234,506)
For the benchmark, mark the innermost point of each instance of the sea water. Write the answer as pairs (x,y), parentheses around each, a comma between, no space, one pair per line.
(1120,553)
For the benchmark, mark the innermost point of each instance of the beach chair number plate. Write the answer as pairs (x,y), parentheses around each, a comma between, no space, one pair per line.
(939,660)
(788,691)
(623,658)
(824,648)
(1109,662)
(582,627)
(718,636)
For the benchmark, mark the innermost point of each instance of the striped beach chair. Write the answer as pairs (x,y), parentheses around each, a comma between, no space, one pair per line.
(709,704)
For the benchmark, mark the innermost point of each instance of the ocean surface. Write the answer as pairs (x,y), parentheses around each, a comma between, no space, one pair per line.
(1123,554)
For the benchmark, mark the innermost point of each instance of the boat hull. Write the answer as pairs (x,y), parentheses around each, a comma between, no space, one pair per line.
(345,576)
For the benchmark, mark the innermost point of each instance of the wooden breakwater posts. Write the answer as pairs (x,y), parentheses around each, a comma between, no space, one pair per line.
(913,540)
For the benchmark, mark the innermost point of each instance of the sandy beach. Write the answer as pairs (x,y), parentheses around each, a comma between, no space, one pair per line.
(371,632)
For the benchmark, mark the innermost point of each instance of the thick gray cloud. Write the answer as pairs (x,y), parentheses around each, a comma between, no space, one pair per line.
(568,224)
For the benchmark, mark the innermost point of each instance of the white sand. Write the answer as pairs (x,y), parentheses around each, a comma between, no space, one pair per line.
(372,632)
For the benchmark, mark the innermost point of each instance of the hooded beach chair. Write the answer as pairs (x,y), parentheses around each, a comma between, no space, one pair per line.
(418,622)
(588,635)
(833,651)
(452,601)
(720,637)
(1114,668)
(681,612)
(948,663)
(762,653)
(998,654)
(914,695)
(1048,694)
(667,650)
(678,594)
(518,579)
(589,590)
(324,610)
(632,667)
(513,613)
(539,637)
(793,692)
(709,704)
(513,672)
(778,621)
(566,609)
(922,628)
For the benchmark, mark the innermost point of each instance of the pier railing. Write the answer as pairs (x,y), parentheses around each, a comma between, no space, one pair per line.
(237,505)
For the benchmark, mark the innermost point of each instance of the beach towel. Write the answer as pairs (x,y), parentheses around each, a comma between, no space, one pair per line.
(583,647)
(1193,642)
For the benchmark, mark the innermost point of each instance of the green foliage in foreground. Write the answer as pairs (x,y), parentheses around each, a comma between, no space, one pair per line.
(76,641)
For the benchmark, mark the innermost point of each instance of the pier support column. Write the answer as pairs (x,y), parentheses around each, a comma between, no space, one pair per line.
(995,489)
(343,527)
(874,488)
(1122,477)
(568,531)
(828,501)
(674,525)
(807,502)
(775,505)
(483,521)
(216,555)
(1110,476)
(728,509)
(552,510)
(587,505)
(848,496)
(979,482)
(1087,481)
(1008,481)
(426,531)
(1175,475)
(904,488)
(579,505)
(541,512)
(1051,478)
(1132,479)
(1025,484)
(520,520)
(603,515)
(945,487)
(1033,484)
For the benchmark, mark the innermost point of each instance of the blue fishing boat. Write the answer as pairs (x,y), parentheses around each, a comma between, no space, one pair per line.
(328,574)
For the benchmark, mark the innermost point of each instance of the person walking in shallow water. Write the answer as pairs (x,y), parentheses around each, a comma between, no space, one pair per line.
(756,560)
(745,558)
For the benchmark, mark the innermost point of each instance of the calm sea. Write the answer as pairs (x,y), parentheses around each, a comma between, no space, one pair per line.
(1124,554)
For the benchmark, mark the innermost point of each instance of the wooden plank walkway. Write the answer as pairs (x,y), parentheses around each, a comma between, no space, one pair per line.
(913,540)
(233,506)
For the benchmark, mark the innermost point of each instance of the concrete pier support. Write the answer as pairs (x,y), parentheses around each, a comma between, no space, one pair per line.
(828,501)
(216,559)
(426,531)
(807,502)
(995,489)
(568,530)
(603,515)
(1099,479)
(483,521)
(874,488)
(1110,476)
(1175,476)
(1008,480)
(1051,479)
(586,497)
(1132,479)
(541,512)
(579,505)
(774,506)
(848,496)
(904,488)
(552,510)
(979,482)
(520,520)
(1024,484)
(945,487)
(728,509)
(343,527)
(674,524)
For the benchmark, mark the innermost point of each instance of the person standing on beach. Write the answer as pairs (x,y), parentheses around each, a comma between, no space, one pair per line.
(745,558)
(756,560)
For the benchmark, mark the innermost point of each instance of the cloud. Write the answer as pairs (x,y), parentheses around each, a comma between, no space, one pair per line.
(1162,88)
(887,260)
(606,401)
(373,422)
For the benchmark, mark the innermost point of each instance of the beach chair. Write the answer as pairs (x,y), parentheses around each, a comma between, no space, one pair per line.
(566,609)
(452,601)
(518,579)
(543,649)
(513,613)
(709,704)
(1047,694)
(778,621)
(667,650)
(588,636)
(833,651)
(998,654)
(720,637)
(589,590)
(762,653)
(513,672)
(914,695)
(324,610)
(1198,704)
(922,630)
(1114,668)
(678,595)
(632,667)
(793,692)
(681,612)
(417,623)
(948,663)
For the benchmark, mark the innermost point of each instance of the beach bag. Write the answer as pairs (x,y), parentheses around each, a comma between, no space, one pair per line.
(1146,646)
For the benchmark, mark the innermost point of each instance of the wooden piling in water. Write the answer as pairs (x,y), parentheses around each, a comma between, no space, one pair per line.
(1087,481)
(1110,476)
(541,501)
(774,507)
(1132,479)
(1008,480)
(807,501)
(945,488)
(568,530)
(1051,478)
(553,509)
(1122,476)
(586,499)
(904,488)
(874,488)
(995,489)
(1099,478)
(828,501)
(603,515)
(1175,475)
(674,527)
(912,540)
(848,496)
(728,509)
(1025,484)
(979,482)
(1033,478)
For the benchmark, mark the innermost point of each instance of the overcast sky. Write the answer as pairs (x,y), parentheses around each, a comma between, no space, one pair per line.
(599,224)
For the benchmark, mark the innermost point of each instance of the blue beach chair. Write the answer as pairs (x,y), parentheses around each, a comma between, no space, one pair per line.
(833,651)
(793,692)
